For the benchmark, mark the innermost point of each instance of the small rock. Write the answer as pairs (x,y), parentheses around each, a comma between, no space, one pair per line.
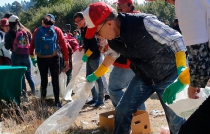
(94,120)
(155,113)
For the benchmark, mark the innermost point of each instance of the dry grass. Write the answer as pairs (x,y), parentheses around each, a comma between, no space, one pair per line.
(23,119)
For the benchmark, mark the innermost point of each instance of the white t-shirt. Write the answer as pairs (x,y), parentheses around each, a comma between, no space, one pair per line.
(194,20)
(7,53)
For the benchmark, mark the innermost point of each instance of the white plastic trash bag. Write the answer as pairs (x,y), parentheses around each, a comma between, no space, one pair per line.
(35,75)
(185,106)
(62,83)
(77,65)
(77,55)
(49,91)
(61,120)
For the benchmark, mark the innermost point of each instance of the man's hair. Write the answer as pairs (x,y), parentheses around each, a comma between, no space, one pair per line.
(7,15)
(113,15)
(133,7)
(176,21)
(78,14)
(48,20)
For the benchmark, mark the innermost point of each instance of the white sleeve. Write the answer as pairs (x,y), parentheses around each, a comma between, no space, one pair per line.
(113,54)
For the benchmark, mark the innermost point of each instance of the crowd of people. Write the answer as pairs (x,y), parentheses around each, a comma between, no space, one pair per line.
(147,56)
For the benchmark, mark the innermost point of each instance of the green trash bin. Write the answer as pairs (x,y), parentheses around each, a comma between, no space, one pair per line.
(11,82)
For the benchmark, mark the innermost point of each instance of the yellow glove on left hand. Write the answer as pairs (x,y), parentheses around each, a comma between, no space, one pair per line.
(183,70)
(98,73)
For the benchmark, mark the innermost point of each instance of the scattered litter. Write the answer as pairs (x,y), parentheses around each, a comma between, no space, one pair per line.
(164,130)
(84,122)
(95,131)
(111,116)
(155,113)
(103,107)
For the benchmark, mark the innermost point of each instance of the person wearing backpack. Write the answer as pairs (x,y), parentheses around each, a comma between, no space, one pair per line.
(17,39)
(47,40)
(72,45)
(5,55)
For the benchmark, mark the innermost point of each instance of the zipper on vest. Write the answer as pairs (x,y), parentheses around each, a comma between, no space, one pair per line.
(139,41)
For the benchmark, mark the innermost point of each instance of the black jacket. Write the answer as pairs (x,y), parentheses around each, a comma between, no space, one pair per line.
(91,44)
(153,62)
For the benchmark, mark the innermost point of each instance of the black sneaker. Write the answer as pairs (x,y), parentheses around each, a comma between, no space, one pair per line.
(72,93)
(90,102)
(106,97)
(57,105)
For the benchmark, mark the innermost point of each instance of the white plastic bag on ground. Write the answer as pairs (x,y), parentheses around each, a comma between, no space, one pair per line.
(35,75)
(61,120)
(49,91)
(77,65)
(62,83)
(184,106)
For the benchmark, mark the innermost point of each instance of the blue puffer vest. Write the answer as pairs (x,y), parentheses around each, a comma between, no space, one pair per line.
(153,62)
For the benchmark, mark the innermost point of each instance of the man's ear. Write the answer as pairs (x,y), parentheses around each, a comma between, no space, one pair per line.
(110,23)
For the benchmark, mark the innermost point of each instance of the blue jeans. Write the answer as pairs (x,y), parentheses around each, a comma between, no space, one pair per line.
(24,60)
(137,93)
(91,66)
(119,79)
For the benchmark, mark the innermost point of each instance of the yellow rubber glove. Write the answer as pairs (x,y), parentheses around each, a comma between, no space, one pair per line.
(169,94)
(98,73)
(183,70)
(86,55)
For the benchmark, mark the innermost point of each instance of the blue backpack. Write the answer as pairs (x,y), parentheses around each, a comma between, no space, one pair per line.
(46,41)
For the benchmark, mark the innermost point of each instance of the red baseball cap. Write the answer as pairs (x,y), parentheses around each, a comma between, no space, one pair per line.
(124,2)
(4,22)
(94,15)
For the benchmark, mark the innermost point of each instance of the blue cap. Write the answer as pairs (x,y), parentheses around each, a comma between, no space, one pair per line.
(52,16)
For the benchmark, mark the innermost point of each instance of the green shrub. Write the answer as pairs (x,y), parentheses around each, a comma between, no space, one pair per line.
(63,13)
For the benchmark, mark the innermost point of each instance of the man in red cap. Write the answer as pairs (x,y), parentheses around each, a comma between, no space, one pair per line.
(121,74)
(157,55)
